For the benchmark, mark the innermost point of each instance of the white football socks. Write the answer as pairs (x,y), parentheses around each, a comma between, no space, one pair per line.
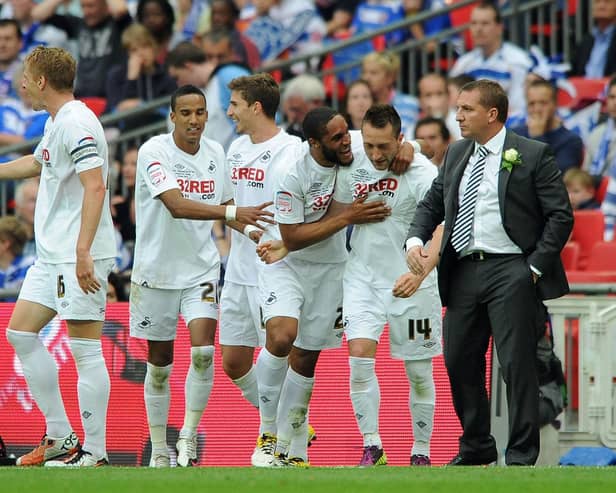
(93,388)
(271,371)
(292,414)
(422,402)
(366,399)
(199,382)
(248,385)
(41,374)
(157,397)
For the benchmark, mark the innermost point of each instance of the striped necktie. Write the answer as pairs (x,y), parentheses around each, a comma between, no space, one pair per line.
(464,220)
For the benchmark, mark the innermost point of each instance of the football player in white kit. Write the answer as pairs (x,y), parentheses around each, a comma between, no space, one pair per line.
(181,178)
(302,295)
(76,250)
(379,289)
(255,161)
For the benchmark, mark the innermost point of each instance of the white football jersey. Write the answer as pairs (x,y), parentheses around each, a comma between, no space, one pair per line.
(72,142)
(254,170)
(303,196)
(377,249)
(176,253)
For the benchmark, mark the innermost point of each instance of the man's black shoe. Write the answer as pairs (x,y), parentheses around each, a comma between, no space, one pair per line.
(471,460)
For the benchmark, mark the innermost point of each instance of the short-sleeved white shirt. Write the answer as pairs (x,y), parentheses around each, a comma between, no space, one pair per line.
(377,249)
(72,142)
(176,253)
(254,170)
(303,196)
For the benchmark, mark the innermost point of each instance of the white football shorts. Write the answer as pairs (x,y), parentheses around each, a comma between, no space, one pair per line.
(240,316)
(154,312)
(55,286)
(415,323)
(309,292)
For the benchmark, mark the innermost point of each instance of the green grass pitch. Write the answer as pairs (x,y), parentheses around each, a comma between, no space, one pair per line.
(314,480)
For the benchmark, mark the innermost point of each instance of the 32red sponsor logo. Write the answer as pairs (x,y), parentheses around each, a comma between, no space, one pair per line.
(254,174)
(196,186)
(384,185)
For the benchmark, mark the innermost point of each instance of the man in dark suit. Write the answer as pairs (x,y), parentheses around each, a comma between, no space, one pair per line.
(507,216)
(595,56)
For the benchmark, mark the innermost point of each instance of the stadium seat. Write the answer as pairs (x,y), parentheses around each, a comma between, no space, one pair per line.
(570,255)
(588,227)
(602,189)
(602,257)
(461,16)
(97,105)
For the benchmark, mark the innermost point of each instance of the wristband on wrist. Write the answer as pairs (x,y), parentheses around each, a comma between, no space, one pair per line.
(230,212)
(249,228)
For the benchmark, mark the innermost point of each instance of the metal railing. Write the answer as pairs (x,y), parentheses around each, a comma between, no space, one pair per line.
(520,17)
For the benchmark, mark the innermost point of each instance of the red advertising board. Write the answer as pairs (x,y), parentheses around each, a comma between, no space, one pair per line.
(229,427)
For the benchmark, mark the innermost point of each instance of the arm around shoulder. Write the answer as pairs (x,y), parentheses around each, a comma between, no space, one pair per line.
(20,168)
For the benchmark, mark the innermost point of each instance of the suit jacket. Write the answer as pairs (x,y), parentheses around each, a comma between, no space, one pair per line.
(582,54)
(534,206)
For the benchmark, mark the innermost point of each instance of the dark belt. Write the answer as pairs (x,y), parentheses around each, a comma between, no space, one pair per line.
(480,255)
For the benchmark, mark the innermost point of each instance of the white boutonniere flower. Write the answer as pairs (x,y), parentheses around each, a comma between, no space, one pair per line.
(511,158)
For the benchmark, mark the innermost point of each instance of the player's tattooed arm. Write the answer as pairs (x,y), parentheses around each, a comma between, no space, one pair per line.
(20,168)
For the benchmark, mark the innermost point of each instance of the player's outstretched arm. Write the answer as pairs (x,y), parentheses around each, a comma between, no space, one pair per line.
(20,168)
(182,208)
(94,192)
(302,235)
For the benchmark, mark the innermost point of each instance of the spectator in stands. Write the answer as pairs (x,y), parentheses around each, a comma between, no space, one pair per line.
(595,56)
(13,264)
(158,17)
(10,61)
(187,64)
(211,69)
(454,84)
(224,15)
(98,34)
(25,203)
(600,155)
(18,121)
(434,101)
(141,78)
(336,14)
(291,27)
(492,58)
(436,133)
(357,100)
(544,125)
(123,202)
(301,94)
(37,33)
(381,71)
(581,189)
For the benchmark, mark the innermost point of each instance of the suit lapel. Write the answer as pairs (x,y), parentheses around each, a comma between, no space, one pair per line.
(459,171)
(504,175)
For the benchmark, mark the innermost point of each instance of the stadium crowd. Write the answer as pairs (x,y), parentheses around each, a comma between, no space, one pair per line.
(128,52)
